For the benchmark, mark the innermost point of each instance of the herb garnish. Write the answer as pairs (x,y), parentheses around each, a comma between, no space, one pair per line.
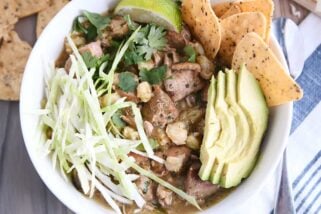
(150,39)
(190,53)
(91,24)
(97,20)
(93,61)
(153,76)
(127,82)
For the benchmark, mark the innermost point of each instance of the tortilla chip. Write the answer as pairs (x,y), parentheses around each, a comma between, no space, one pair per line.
(221,8)
(47,14)
(29,7)
(8,17)
(234,9)
(204,24)
(264,6)
(13,57)
(235,27)
(276,83)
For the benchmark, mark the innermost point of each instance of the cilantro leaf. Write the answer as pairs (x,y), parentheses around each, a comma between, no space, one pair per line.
(77,25)
(93,61)
(89,30)
(127,82)
(190,53)
(97,20)
(150,39)
(132,57)
(146,51)
(156,37)
(91,33)
(153,76)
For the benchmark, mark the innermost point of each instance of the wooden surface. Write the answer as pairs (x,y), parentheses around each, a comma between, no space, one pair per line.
(21,190)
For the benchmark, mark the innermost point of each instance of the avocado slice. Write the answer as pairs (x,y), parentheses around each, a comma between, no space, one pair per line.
(241,124)
(228,129)
(211,133)
(252,101)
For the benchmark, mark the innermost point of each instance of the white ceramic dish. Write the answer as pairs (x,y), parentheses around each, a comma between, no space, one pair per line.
(49,47)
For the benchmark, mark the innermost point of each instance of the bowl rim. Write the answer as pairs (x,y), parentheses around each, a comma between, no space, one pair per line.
(69,199)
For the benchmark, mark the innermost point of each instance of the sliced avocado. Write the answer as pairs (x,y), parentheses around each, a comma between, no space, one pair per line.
(251,99)
(242,125)
(228,129)
(211,133)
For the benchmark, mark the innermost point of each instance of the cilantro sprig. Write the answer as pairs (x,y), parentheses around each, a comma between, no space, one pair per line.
(190,53)
(150,39)
(127,82)
(93,61)
(96,23)
(97,20)
(153,76)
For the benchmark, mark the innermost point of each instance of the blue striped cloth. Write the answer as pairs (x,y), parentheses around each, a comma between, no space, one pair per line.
(307,124)
(304,146)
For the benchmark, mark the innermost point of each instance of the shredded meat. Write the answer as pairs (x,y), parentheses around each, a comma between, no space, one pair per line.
(191,116)
(205,92)
(160,135)
(168,61)
(147,188)
(68,65)
(149,128)
(177,157)
(184,80)
(186,34)
(207,67)
(143,162)
(106,38)
(178,40)
(157,168)
(187,66)
(177,132)
(158,58)
(130,96)
(160,110)
(191,100)
(194,186)
(94,48)
(164,196)
(128,117)
(119,27)
(175,40)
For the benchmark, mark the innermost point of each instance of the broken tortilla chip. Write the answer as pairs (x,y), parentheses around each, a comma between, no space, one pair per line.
(204,24)
(276,83)
(8,17)
(29,7)
(13,57)
(235,27)
(234,9)
(47,14)
(264,6)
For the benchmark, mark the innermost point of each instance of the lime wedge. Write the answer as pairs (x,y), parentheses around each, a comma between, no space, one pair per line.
(164,13)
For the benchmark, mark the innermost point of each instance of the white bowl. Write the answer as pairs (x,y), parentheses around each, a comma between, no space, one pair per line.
(50,45)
